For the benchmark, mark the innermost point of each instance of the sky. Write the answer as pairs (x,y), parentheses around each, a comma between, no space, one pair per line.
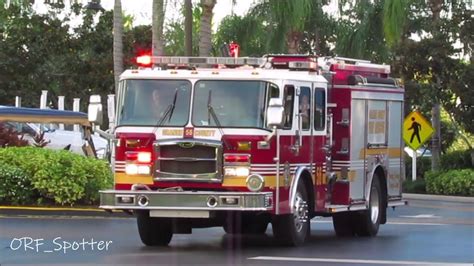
(141,9)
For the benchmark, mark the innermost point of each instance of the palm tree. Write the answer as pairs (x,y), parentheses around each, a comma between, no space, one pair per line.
(188,27)
(118,42)
(372,28)
(394,19)
(157,27)
(205,33)
(286,19)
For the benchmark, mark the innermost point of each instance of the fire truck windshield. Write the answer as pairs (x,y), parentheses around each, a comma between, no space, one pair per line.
(145,102)
(234,103)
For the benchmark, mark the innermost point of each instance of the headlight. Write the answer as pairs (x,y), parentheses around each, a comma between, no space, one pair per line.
(255,183)
(237,171)
(133,169)
(143,170)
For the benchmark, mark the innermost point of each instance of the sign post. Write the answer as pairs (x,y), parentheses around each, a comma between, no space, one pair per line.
(416,131)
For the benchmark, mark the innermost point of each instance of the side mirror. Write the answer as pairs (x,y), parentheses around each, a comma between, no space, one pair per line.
(275,113)
(94,111)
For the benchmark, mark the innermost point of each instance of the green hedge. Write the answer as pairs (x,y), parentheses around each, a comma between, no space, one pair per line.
(456,160)
(452,182)
(417,186)
(32,174)
(449,161)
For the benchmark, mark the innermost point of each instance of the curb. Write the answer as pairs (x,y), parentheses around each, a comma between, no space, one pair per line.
(410,196)
(58,211)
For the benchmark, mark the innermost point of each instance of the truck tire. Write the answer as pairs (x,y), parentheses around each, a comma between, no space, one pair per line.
(154,231)
(368,221)
(344,223)
(294,229)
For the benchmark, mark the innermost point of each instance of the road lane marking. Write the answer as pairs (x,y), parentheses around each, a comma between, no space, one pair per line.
(394,223)
(420,216)
(453,208)
(357,261)
(414,223)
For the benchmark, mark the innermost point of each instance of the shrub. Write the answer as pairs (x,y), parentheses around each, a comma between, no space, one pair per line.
(456,160)
(10,137)
(453,182)
(59,176)
(15,186)
(417,186)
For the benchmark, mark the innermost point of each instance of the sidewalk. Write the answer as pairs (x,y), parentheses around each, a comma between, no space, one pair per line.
(410,196)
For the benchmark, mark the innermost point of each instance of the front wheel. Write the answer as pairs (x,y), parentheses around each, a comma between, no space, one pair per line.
(154,231)
(369,220)
(293,229)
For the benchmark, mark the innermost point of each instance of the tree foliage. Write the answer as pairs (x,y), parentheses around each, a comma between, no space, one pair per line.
(428,43)
(438,67)
(42,52)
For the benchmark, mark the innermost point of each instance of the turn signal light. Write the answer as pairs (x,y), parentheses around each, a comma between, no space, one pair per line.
(237,158)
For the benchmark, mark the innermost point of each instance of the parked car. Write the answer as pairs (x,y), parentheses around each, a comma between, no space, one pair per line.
(53,137)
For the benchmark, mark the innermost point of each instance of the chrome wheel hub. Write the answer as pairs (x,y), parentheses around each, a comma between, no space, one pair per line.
(374,205)
(300,212)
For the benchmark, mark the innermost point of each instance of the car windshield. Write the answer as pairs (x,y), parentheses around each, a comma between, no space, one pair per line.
(146,102)
(234,103)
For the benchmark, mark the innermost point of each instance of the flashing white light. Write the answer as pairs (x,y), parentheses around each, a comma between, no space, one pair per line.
(144,60)
(134,169)
(143,170)
(237,171)
(144,157)
(131,169)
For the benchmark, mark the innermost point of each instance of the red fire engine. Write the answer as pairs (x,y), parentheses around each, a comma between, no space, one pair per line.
(244,142)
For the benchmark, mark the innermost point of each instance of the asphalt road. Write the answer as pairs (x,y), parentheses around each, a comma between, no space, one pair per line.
(425,233)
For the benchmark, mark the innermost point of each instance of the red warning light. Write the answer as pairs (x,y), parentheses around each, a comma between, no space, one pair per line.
(144,60)
(234,49)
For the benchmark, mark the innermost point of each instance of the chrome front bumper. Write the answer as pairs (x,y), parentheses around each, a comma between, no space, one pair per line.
(185,200)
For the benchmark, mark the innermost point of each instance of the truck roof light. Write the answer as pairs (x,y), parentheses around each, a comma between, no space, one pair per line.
(196,61)
(144,60)
(303,65)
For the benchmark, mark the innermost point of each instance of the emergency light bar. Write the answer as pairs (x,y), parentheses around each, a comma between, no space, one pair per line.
(196,61)
(303,65)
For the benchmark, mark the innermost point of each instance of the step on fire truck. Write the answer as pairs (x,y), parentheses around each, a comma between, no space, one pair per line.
(244,142)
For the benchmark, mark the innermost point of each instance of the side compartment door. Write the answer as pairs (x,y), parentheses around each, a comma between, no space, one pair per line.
(395,145)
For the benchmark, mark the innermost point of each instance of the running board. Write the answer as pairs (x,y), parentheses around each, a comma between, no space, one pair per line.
(332,208)
(360,206)
(397,203)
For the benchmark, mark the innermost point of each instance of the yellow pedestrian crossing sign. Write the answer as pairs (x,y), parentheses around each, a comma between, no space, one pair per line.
(416,130)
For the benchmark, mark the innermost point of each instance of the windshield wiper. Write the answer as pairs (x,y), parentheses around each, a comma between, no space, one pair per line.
(169,110)
(212,113)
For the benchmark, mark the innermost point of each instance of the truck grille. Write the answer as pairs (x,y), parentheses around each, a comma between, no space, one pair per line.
(188,161)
